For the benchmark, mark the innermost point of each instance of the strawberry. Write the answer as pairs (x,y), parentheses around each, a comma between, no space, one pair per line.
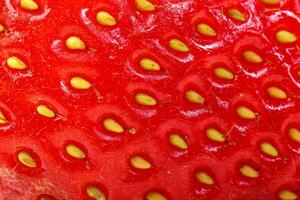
(149,99)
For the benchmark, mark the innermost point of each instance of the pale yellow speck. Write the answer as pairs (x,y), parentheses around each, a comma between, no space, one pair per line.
(270,2)
(215,135)
(75,43)
(26,159)
(205,29)
(16,63)
(287,195)
(178,45)
(285,37)
(155,196)
(144,5)
(204,178)
(140,163)
(223,73)
(245,113)
(294,134)
(194,97)
(236,14)
(149,64)
(252,57)
(145,99)
(248,171)
(80,83)
(29,5)
(3,119)
(45,111)
(1,28)
(95,193)
(178,141)
(106,19)
(75,152)
(112,125)
(276,92)
(268,149)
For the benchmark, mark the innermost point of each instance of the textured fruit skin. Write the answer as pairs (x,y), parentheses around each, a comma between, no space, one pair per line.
(110,65)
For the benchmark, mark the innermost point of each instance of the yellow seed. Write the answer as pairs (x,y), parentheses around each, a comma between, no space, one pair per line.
(194,97)
(223,73)
(178,141)
(252,57)
(15,63)
(245,113)
(74,151)
(148,64)
(269,149)
(45,111)
(270,2)
(294,134)
(178,45)
(140,163)
(236,14)
(80,83)
(1,28)
(3,119)
(276,92)
(215,135)
(29,5)
(144,5)
(287,195)
(75,43)
(248,171)
(26,159)
(155,196)
(106,19)
(145,99)
(204,178)
(205,29)
(95,193)
(112,125)
(285,37)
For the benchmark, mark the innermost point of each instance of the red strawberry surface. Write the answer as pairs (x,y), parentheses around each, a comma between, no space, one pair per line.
(149,99)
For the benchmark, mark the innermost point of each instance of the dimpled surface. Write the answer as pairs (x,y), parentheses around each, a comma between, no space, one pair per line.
(110,63)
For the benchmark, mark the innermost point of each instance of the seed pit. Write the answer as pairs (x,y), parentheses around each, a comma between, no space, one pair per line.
(95,193)
(287,195)
(215,135)
(149,64)
(178,45)
(80,83)
(178,141)
(45,111)
(153,195)
(285,37)
(204,178)
(206,30)
(75,43)
(29,5)
(194,97)
(144,5)
(75,152)
(139,162)
(252,57)
(145,99)
(112,125)
(248,171)
(106,19)
(14,62)
(26,159)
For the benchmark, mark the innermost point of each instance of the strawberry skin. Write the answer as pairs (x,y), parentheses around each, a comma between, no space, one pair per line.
(149,99)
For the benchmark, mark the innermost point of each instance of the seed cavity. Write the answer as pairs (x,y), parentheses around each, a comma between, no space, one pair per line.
(106,19)
(294,134)
(95,193)
(236,14)
(287,195)
(45,111)
(75,152)
(29,5)
(149,64)
(245,113)
(1,28)
(223,73)
(285,37)
(144,5)
(14,62)
(204,178)
(26,159)
(178,45)
(194,97)
(268,149)
(3,119)
(80,83)
(145,99)
(215,135)
(276,93)
(178,141)
(248,171)
(206,30)
(75,43)
(140,163)
(270,2)
(155,196)
(252,57)
(112,125)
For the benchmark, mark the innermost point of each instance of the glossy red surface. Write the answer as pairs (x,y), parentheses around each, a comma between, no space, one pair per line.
(110,64)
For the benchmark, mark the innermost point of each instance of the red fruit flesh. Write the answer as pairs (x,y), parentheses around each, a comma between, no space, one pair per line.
(110,63)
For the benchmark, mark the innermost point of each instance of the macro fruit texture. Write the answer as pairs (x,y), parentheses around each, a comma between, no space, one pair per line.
(149,99)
